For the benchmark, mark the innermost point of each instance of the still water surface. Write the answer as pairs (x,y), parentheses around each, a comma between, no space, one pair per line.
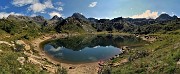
(84,49)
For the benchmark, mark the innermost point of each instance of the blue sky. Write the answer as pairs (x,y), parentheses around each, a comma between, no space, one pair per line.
(90,8)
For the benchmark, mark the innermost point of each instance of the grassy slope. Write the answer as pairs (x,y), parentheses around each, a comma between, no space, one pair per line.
(9,63)
(8,56)
(161,59)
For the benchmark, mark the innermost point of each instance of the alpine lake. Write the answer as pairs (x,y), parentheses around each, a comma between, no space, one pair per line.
(88,48)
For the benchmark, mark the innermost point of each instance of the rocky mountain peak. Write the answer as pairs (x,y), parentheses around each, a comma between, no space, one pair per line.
(164,17)
(12,17)
(93,20)
(39,18)
(56,18)
(175,17)
(117,19)
(19,17)
(79,16)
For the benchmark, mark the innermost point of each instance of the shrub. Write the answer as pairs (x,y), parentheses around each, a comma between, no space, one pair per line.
(61,70)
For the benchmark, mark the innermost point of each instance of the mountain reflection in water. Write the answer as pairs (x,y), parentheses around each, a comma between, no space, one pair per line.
(89,48)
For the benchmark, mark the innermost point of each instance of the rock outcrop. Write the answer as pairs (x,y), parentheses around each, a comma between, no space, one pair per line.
(21,42)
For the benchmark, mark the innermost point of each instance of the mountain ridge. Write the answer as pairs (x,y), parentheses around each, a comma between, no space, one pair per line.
(79,23)
(79,15)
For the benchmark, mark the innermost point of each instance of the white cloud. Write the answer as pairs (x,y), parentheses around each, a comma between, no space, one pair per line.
(147,14)
(20,3)
(163,13)
(48,4)
(5,15)
(59,8)
(55,13)
(59,3)
(33,15)
(3,8)
(37,7)
(103,18)
(40,7)
(92,4)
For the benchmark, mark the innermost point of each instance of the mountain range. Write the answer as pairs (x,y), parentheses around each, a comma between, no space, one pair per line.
(79,23)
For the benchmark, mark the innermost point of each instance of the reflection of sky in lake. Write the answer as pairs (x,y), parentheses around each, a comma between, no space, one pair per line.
(80,49)
(85,55)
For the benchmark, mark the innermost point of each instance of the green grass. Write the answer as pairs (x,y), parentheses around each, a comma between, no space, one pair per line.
(10,65)
(162,58)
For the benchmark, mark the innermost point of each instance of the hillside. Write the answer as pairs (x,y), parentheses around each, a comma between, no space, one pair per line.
(18,32)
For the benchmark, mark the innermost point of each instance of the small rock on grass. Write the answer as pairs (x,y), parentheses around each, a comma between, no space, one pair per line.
(21,60)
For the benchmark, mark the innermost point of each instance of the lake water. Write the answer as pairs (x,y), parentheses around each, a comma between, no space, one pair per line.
(90,48)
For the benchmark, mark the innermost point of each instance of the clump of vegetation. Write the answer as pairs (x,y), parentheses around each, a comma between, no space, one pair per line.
(105,70)
(61,70)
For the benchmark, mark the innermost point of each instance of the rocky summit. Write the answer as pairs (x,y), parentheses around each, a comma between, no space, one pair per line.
(56,18)
(166,17)
(79,16)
